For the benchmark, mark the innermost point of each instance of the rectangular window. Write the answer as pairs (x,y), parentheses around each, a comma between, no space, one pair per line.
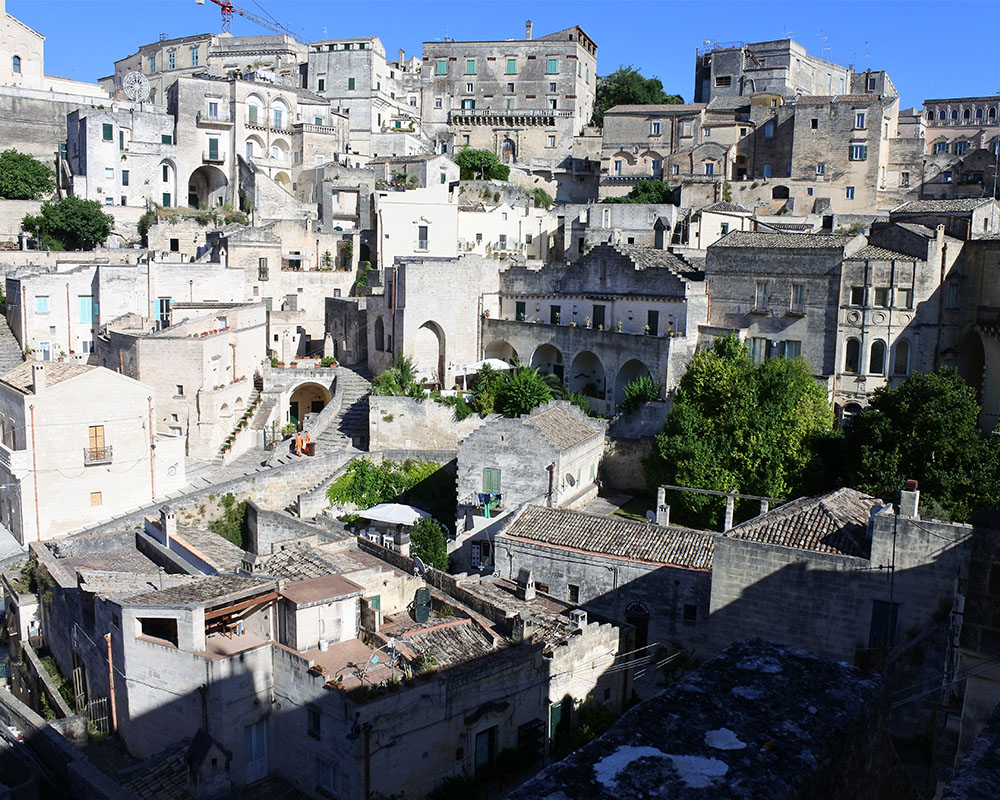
(511,66)
(350,84)
(470,66)
(86,308)
(758,349)
(421,237)
(675,169)
(821,169)
(760,296)
(857,295)
(722,81)
(109,173)
(491,480)
(797,301)
(859,119)
(438,103)
(109,201)
(690,613)
(814,123)
(108,131)
(552,87)
(520,309)
(123,200)
(951,299)
(171,59)
(444,177)
(709,168)
(904,298)
(765,170)
(555,315)
(166,138)
(321,85)
(769,129)
(175,245)
(882,632)
(166,199)
(95,440)
(510,88)
(723,228)
(573,593)
(152,64)
(858,152)
(961,148)
(326,778)
(654,128)
(213,150)
(849,193)
(486,748)
(314,722)
(470,88)
(881,297)
(552,140)
(194,56)
(124,177)
(213,110)
(96,499)
(42,304)
(791,348)
(553,66)
(441,68)
(121,140)
(904,179)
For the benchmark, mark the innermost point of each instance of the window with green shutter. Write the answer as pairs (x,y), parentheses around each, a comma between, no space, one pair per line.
(350,84)
(108,131)
(511,66)
(491,480)
(442,67)
(858,152)
(166,138)
(553,66)
(470,66)
(166,200)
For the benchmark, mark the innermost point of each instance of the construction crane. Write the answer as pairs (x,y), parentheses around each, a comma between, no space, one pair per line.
(229,9)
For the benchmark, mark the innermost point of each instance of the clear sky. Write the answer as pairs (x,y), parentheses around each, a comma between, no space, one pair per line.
(917,41)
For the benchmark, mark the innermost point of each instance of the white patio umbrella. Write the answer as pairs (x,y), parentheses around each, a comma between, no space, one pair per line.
(496,363)
(393,514)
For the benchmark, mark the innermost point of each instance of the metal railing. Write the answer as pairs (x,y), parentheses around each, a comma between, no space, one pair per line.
(96,455)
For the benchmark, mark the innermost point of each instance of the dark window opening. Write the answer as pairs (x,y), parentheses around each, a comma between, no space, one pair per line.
(574,593)
(163,628)
(690,613)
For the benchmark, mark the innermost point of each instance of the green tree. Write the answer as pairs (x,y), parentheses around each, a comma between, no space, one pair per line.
(524,390)
(427,542)
(23,177)
(480,165)
(646,190)
(232,524)
(489,383)
(739,427)
(640,390)
(146,221)
(400,380)
(627,86)
(542,198)
(69,224)
(926,429)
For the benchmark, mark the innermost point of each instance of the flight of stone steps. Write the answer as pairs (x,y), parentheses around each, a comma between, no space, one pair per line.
(10,351)
(351,427)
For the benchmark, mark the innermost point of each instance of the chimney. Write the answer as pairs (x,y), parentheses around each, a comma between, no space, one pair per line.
(579,617)
(38,377)
(909,500)
(525,585)
(527,30)
(662,509)
(168,524)
(402,57)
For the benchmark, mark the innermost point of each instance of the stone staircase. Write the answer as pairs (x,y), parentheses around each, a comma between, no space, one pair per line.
(10,351)
(351,428)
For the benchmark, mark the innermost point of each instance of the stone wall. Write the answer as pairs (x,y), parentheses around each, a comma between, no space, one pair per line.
(403,423)
(622,468)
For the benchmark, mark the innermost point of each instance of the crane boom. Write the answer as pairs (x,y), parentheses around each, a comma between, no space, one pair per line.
(228,9)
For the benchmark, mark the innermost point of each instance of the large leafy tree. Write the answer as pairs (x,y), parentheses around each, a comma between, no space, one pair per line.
(926,429)
(480,165)
(627,86)
(737,427)
(69,224)
(23,177)
(646,190)
(427,542)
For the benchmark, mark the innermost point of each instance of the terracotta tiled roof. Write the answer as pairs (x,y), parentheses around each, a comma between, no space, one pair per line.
(796,240)
(561,428)
(835,522)
(941,206)
(198,592)
(724,207)
(646,257)
(637,541)
(55,372)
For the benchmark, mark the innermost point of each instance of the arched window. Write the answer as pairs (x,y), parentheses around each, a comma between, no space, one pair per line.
(966,114)
(901,359)
(876,361)
(954,114)
(941,115)
(16,64)
(993,113)
(930,116)
(979,113)
(379,334)
(852,361)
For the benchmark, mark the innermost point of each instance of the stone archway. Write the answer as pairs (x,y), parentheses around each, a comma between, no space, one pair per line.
(630,370)
(307,399)
(587,377)
(379,335)
(548,360)
(207,187)
(508,151)
(502,349)
(429,353)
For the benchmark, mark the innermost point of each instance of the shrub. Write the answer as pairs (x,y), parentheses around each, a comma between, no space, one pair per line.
(640,390)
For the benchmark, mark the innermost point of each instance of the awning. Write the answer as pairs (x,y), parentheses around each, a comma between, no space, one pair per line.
(495,363)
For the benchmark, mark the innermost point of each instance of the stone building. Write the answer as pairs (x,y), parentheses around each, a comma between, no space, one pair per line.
(656,578)
(316,648)
(164,61)
(840,574)
(382,98)
(22,54)
(961,141)
(617,313)
(780,67)
(523,100)
(584,226)
(80,444)
(201,368)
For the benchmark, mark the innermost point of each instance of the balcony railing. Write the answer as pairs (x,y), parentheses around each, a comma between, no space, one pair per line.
(988,317)
(203,118)
(96,455)
(213,157)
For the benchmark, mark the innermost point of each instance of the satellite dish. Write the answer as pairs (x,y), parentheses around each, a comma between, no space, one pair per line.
(650,516)
(418,566)
(136,86)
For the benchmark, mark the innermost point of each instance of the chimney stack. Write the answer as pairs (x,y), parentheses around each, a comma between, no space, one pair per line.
(527,30)
(38,377)
(525,585)
(909,500)
(402,57)
(662,509)
(168,524)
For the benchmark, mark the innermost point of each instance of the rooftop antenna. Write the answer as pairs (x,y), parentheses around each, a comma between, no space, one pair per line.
(824,49)
(785,33)
(868,57)
(163,37)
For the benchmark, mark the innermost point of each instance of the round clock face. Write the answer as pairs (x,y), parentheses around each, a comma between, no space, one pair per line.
(136,86)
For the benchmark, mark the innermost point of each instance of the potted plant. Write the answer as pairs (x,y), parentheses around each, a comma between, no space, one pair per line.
(646,329)
(557,317)
(618,326)
(586,322)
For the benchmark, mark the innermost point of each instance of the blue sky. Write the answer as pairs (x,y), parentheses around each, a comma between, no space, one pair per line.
(915,40)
